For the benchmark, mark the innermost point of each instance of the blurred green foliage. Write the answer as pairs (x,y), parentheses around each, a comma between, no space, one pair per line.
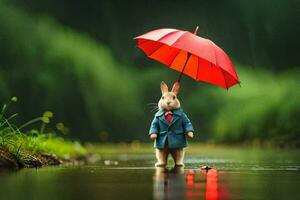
(57,68)
(266,107)
(102,95)
(256,32)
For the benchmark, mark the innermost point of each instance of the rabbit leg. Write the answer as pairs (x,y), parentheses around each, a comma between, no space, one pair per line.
(162,157)
(178,156)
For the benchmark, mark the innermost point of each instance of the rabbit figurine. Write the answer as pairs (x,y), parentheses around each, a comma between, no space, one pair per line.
(170,127)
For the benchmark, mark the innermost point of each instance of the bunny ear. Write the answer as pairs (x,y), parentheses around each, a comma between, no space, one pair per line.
(164,88)
(176,87)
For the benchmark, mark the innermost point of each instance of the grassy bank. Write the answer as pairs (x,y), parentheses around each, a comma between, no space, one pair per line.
(36,147)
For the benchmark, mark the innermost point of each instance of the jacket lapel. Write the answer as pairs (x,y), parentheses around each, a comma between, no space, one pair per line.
(161,117)
(176,115)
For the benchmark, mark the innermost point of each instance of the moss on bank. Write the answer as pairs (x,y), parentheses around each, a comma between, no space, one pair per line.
(37,151)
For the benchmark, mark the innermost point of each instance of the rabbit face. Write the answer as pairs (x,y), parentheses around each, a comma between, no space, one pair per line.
(168,100)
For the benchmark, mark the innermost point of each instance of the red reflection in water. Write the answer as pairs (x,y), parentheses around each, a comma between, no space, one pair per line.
(212,185)
(190,184)
(190,181)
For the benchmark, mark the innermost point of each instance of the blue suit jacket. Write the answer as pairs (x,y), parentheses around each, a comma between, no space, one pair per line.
(173,132)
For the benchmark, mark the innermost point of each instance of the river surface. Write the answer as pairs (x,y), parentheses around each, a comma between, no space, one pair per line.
(236,174)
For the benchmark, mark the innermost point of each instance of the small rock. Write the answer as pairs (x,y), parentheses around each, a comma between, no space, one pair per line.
(204,167)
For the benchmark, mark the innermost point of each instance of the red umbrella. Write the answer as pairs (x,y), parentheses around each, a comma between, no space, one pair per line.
(189,54)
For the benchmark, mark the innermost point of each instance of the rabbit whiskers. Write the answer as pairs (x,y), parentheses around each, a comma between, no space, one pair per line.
(153,107)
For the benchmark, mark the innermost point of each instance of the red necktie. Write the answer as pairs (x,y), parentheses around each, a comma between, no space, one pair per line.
(169,116)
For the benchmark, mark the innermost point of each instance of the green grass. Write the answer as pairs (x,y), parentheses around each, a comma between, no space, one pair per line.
(35,141)
(44,143)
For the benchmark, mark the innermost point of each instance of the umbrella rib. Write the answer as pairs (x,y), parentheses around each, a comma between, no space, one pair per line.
(216,46)
(156,49)
(198,66)
(168,35)
(178,38)
(224,78)
(179,50)
(212,44)
(170,64)
(162,44)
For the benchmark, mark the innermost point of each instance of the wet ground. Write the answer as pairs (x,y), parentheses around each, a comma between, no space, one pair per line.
(236,174)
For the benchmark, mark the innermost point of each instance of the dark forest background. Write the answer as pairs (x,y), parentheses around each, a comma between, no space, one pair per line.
(78,59)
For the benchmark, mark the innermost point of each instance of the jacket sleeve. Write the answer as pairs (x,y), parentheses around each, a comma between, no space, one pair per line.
(187,125)
(154,126)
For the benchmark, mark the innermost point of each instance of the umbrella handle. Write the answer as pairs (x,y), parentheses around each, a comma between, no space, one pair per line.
(181,73)
(188,57)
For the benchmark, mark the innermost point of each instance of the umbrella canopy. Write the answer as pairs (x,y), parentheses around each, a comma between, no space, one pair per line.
(189,54)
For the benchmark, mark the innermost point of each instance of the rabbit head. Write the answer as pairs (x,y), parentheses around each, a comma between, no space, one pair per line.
(169,100)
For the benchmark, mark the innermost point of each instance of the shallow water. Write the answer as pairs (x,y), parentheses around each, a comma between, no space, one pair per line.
(236,174)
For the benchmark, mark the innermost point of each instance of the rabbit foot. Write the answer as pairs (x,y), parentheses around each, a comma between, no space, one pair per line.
(179,165)
(160,164)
